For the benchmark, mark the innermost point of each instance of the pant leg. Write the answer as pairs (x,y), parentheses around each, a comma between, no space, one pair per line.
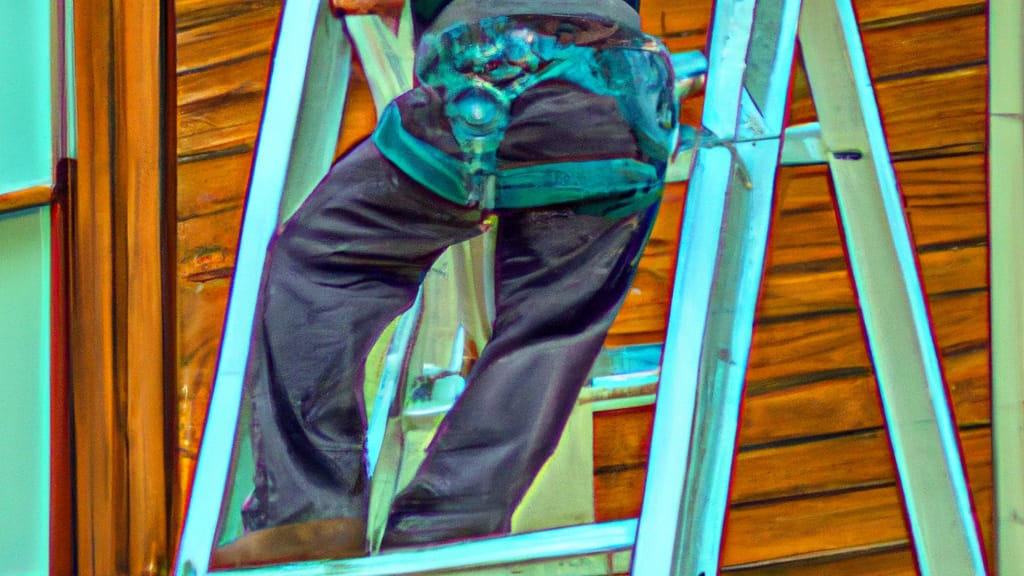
(348,262)
(561,278)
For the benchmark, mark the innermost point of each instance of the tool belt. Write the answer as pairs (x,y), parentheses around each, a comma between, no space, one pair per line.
(480,68)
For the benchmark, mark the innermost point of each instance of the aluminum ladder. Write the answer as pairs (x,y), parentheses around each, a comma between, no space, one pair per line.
(737,151)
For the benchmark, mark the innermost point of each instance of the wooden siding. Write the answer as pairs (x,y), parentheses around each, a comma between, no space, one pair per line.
(815,490)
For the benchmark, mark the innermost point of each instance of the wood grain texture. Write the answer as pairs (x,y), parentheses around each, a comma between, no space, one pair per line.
(919,113)
(814,453)
(25,198)
(116,289)
(101,487)
(886,45)
(787,416)
(139,178)
(886,560)
(792,500)
(223,57)
(645,311)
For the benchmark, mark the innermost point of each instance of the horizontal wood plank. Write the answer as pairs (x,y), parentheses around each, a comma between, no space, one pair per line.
(207,246)
(826,285)
(232,123)
(919,113)
(209,86)
(223,56)
(191,14)
(897,560)
(774,416)
(823,466)
(212,185)
(946,181)
(878,13)
(894,51)
(224,34)
(844,520)
(674,18)
(783,496)
(811,526)
(784,350)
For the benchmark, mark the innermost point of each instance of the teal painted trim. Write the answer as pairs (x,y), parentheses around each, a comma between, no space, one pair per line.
(25,124)
(25,385)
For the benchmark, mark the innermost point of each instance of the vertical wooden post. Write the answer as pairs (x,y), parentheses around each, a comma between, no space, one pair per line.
(117,290)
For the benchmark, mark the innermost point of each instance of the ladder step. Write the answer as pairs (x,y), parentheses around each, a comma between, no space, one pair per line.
(592,550)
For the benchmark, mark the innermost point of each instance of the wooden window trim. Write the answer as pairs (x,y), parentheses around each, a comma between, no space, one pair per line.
(25,198)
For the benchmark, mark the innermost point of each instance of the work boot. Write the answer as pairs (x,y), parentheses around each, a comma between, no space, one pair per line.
(331,539)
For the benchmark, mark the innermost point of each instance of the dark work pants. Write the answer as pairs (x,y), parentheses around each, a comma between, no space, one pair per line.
(349,261)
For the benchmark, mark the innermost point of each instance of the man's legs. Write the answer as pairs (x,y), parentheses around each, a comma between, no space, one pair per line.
(341,269)
(561,278)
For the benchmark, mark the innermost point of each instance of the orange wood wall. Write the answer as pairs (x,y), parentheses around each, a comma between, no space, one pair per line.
(814,480)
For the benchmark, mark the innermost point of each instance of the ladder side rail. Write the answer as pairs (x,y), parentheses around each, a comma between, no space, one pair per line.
(281,146)
(321,108)
(660,527)
(895,315)
(724,358)
(729,40)
(713,388)
(737,282)
(663,524)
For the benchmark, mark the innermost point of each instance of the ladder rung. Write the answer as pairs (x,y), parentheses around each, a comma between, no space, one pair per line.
(590,550)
